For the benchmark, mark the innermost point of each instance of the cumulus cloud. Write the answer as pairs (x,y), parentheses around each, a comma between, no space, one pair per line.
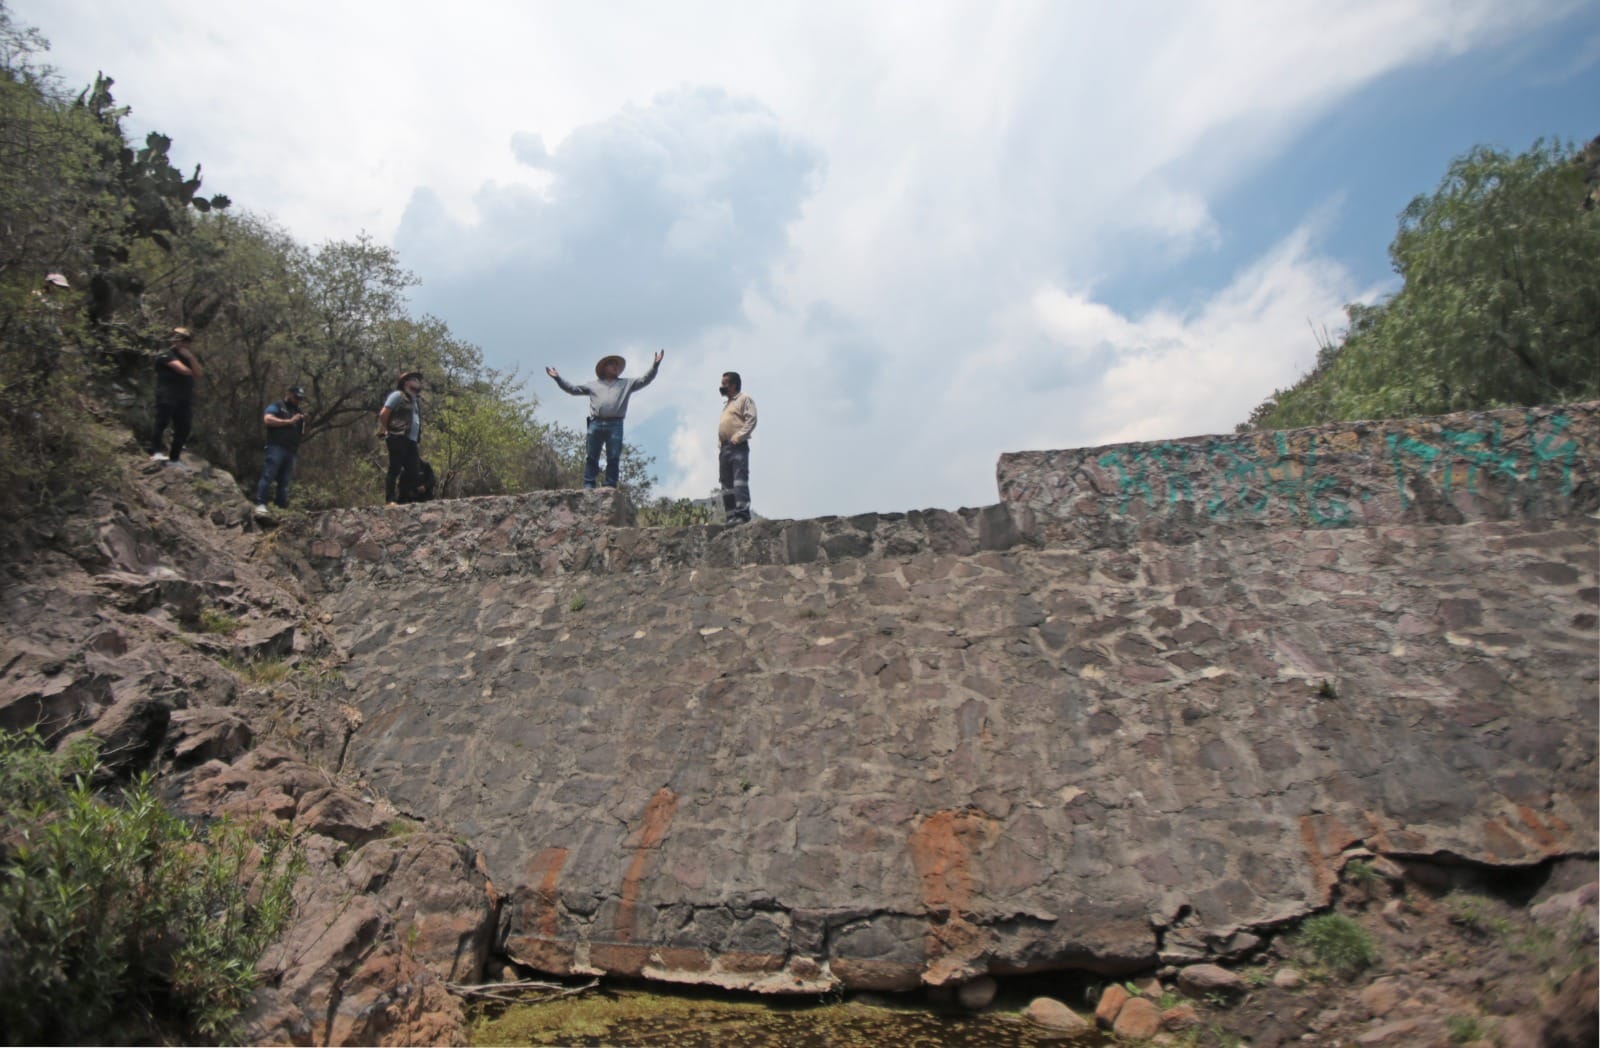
(651,229)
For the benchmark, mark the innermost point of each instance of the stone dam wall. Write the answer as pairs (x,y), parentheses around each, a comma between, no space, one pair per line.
(1139,712)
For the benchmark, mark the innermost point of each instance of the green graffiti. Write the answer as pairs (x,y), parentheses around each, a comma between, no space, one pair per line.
(1565,454)
(1128,483)
(1485,455)
(1244,484)
(1232,478)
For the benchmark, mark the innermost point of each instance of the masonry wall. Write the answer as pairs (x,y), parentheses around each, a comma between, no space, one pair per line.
(1117,719)
(1535,464)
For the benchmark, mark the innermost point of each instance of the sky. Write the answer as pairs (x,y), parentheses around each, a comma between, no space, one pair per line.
(925,233)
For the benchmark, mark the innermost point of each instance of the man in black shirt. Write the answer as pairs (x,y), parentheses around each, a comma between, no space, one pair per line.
(175,375)
(286,424)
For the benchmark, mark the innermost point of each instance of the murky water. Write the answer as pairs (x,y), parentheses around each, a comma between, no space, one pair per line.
(635,1018)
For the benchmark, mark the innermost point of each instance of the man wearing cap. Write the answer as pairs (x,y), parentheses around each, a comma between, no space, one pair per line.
(175,377)
(400,427)
(286,424)
(608,406)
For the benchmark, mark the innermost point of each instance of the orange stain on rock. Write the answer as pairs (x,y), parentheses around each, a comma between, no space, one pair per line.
(646,847)
(1324,837)
(545,869)
(942,849)
(1546,835)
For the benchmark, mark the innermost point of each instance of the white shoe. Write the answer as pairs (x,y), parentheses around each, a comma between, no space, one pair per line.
(262,511)
(160,456)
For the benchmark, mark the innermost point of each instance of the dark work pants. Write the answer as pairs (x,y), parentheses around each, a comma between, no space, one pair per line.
(179,414)
(733,471)
(405,469)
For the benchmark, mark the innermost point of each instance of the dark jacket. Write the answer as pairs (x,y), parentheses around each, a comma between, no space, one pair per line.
(171,387)
(285,436)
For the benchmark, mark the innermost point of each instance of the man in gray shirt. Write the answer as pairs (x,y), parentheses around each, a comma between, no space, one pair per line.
(608,405)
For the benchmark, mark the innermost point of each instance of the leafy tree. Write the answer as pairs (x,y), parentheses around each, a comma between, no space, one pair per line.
(1500,303)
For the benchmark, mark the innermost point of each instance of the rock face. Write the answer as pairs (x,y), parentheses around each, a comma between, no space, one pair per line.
(1151,701)
(140,627)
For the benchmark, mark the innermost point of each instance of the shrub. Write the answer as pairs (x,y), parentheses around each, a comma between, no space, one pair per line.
(1464,1029)
(1338,943)
(117,918)
(214,621)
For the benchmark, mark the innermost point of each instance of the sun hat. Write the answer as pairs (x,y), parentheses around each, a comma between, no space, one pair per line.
(600,368)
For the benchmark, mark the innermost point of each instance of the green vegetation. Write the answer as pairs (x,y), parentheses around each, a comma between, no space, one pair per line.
(1362,873)
(1337,943)
(578,603)
(264,670)
(673,513)
(214,621)
(1465,1029)
(118,919)
(1476,914)
(1500,303)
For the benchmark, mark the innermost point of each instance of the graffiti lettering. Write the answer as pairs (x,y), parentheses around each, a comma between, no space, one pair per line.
(1247,479)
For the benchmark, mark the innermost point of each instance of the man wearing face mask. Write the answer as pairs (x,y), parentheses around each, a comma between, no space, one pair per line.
(738,421)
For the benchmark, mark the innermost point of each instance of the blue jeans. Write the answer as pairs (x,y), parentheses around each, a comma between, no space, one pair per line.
(733,471)
(607,431)
(277,467)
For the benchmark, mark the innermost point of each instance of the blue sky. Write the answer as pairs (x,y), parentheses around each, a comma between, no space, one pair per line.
(926,233)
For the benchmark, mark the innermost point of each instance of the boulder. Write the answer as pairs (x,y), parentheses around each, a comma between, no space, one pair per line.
(1053,1015)
(1204,980)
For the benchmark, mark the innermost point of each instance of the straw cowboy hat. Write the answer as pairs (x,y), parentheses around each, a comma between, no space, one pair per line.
(405,373)
(600,367)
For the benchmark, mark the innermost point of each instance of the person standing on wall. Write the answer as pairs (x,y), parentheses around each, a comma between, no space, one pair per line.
(176,373)
(608,406)
(286,424)
(400,427)
(738,421)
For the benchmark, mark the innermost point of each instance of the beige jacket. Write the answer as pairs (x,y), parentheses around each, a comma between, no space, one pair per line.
(738,420)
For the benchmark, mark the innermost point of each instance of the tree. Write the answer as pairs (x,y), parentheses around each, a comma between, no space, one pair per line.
(1500,303)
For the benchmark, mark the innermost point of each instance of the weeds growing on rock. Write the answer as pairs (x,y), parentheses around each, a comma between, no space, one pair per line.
(1475,913)
(1337,943)
(1363,874)
(116,916)
(1465,1029)
(268,670)
(578,603)
(214,621)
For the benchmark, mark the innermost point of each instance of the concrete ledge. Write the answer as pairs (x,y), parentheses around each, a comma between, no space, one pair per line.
(1534,464)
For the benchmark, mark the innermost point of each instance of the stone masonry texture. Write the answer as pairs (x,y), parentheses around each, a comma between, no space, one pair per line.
(1083,728)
